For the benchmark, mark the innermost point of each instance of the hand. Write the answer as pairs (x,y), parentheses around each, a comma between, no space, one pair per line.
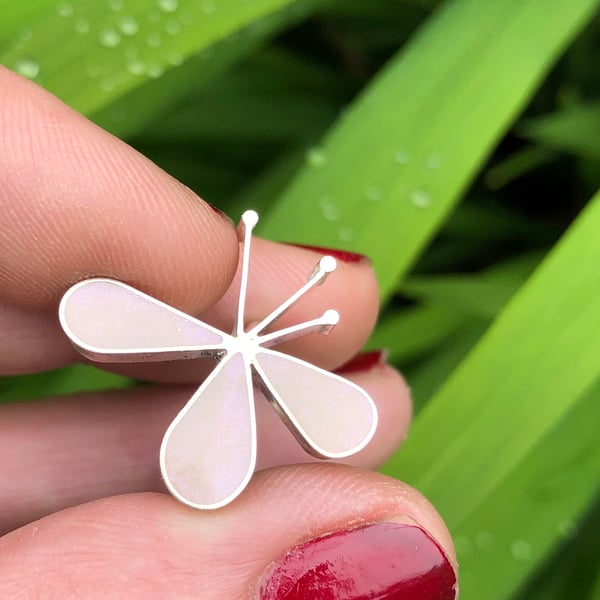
(83,511)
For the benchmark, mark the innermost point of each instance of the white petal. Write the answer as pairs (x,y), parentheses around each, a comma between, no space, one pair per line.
(209,452)
(331,416)
(110,321)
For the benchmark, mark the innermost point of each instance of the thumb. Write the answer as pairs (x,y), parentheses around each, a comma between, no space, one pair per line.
(298,532)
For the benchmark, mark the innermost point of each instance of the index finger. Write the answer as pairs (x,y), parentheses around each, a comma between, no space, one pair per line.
(77,202)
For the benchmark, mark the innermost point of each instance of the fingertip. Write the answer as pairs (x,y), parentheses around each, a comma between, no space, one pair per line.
(225,553)
(80,203)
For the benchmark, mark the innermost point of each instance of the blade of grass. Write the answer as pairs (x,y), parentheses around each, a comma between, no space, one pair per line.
(92,54)
(132,112)
(576,564)
(527,514)
(595,595)
(413,331)
(248,118)
(517,383)
(428,376)
(482,294)
(18,16)
(574,129)
(518,164)
(388,174)
(264,189)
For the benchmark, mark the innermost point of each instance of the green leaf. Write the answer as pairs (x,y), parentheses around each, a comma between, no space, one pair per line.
(411,332)
(388,174)
(250,118)
(89,53)
(575,566)
(428,376)
(129,114)
(17,17)
(574,129)
(595,595)
(482,295)
(518,382)
(532,509)
(518,164)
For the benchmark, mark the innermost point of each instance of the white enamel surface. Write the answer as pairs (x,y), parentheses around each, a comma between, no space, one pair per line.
(336,417)
(102,316)
(209,451)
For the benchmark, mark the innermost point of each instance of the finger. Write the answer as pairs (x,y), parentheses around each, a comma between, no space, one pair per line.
(65,451)
(276,272)
(77,202)
(295,531)
(37,342)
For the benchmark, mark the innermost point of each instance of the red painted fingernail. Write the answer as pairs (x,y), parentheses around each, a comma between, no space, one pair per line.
(387,561)
(343,255)
(364,361)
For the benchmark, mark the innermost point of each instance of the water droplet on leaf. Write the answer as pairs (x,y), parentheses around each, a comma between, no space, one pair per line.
(346,234)
(373,193)
(521,550)
(567,528)
(168,6)
(208,7)
(136,67)
(27,68)
(434,161)
(109,38)
(154,71)
(108,85)
(328,209)
(420,198)
(128,25)
(402,157)
(64,9)
(175,58)
(316,157)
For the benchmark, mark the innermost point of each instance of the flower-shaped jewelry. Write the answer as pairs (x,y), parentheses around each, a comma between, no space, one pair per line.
(208,453)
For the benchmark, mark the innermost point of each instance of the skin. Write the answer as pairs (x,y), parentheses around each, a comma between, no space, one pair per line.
(83,511)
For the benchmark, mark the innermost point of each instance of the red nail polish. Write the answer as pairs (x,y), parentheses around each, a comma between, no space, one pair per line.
(387,561)
(364,361)
(343,255)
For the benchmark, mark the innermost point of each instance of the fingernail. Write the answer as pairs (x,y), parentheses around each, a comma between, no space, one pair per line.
(343,255)
(365,361)
(387,561)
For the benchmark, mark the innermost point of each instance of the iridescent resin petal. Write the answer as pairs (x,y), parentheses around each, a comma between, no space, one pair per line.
(330,416)
(109,321)
(209,451)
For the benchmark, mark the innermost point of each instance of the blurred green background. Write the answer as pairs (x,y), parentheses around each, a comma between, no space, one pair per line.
(456,143)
